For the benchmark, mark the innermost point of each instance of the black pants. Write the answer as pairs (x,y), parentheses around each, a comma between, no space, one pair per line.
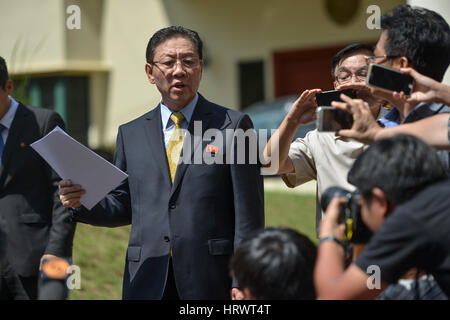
(170,291)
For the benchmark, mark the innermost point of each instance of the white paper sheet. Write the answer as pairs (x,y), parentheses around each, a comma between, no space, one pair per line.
(72,160)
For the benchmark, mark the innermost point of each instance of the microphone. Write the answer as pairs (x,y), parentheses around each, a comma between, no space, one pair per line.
(53,279)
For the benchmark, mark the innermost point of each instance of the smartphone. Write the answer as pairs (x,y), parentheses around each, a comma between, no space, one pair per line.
(330,119)
(325,98)
(389,79)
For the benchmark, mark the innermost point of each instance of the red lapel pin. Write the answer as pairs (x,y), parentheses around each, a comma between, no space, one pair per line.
(211,148)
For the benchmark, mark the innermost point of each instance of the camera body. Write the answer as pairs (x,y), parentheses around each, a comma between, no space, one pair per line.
(349,214)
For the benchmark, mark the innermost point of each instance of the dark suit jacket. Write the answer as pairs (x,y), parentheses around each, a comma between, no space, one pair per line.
(207,212)
(33,218)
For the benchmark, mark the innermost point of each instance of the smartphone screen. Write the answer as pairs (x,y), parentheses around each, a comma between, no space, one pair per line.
(325,98)
(389,79)
(330,119)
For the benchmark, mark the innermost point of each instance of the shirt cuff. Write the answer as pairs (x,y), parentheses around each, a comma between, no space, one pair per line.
(73,213)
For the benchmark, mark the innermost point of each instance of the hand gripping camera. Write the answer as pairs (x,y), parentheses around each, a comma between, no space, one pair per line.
(349,214)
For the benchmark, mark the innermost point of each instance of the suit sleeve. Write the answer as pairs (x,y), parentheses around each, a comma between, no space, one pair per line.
(63,228)
(115,209)
(248,186)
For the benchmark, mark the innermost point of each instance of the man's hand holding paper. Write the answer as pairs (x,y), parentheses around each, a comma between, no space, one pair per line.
(70,194)
(78,165)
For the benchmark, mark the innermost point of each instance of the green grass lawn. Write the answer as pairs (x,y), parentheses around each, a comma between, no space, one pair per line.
(100,252)
(296,211)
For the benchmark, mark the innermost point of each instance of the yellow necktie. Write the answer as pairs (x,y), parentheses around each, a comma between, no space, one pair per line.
(175,144)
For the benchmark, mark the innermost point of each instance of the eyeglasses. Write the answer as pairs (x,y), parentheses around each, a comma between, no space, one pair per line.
(371,59)
(347,77)
(170,64)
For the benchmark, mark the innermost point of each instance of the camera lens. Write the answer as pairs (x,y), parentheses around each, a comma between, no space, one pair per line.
(330,193)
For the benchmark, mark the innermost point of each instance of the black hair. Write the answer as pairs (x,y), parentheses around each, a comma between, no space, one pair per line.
(163,34)
(344,52)
(421,35)
(401,166)
(3,73)
(276,264)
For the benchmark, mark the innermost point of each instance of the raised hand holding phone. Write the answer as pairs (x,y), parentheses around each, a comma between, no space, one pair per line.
(426,89)
(303,110)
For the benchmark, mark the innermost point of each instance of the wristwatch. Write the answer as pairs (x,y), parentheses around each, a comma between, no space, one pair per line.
(333,238)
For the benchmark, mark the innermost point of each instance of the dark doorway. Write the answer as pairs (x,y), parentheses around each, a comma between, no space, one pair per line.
(251,82)
(298,70)
(67,95)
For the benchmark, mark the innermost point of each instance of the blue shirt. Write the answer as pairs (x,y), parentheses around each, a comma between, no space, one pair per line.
(168,125)
(8,118)
(421,111)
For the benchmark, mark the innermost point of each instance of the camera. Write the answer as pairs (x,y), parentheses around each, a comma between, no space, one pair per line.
(349,214)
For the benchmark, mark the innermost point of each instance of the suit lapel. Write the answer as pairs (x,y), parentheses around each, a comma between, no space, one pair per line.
(203,114)
(13,143)
(153,129)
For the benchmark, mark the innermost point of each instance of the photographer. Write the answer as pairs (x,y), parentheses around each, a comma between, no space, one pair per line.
(418,38)
(322,156)
(404,201)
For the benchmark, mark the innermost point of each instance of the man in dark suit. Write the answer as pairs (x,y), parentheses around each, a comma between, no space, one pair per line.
(187,216)
(35,226)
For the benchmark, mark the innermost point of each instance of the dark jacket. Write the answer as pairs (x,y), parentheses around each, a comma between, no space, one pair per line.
(207,212)
(33,219)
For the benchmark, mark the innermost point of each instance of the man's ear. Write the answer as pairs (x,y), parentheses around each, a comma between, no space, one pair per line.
(401,62)
(9,86)
(379,203)
(149,72)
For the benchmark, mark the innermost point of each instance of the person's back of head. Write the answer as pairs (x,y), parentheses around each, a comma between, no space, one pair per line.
(420,35)
(401,166)
(275,264)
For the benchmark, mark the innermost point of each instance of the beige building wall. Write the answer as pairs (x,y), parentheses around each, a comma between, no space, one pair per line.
(32,35)
(233,31)
(110,47)
(236,31)
(127,27)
